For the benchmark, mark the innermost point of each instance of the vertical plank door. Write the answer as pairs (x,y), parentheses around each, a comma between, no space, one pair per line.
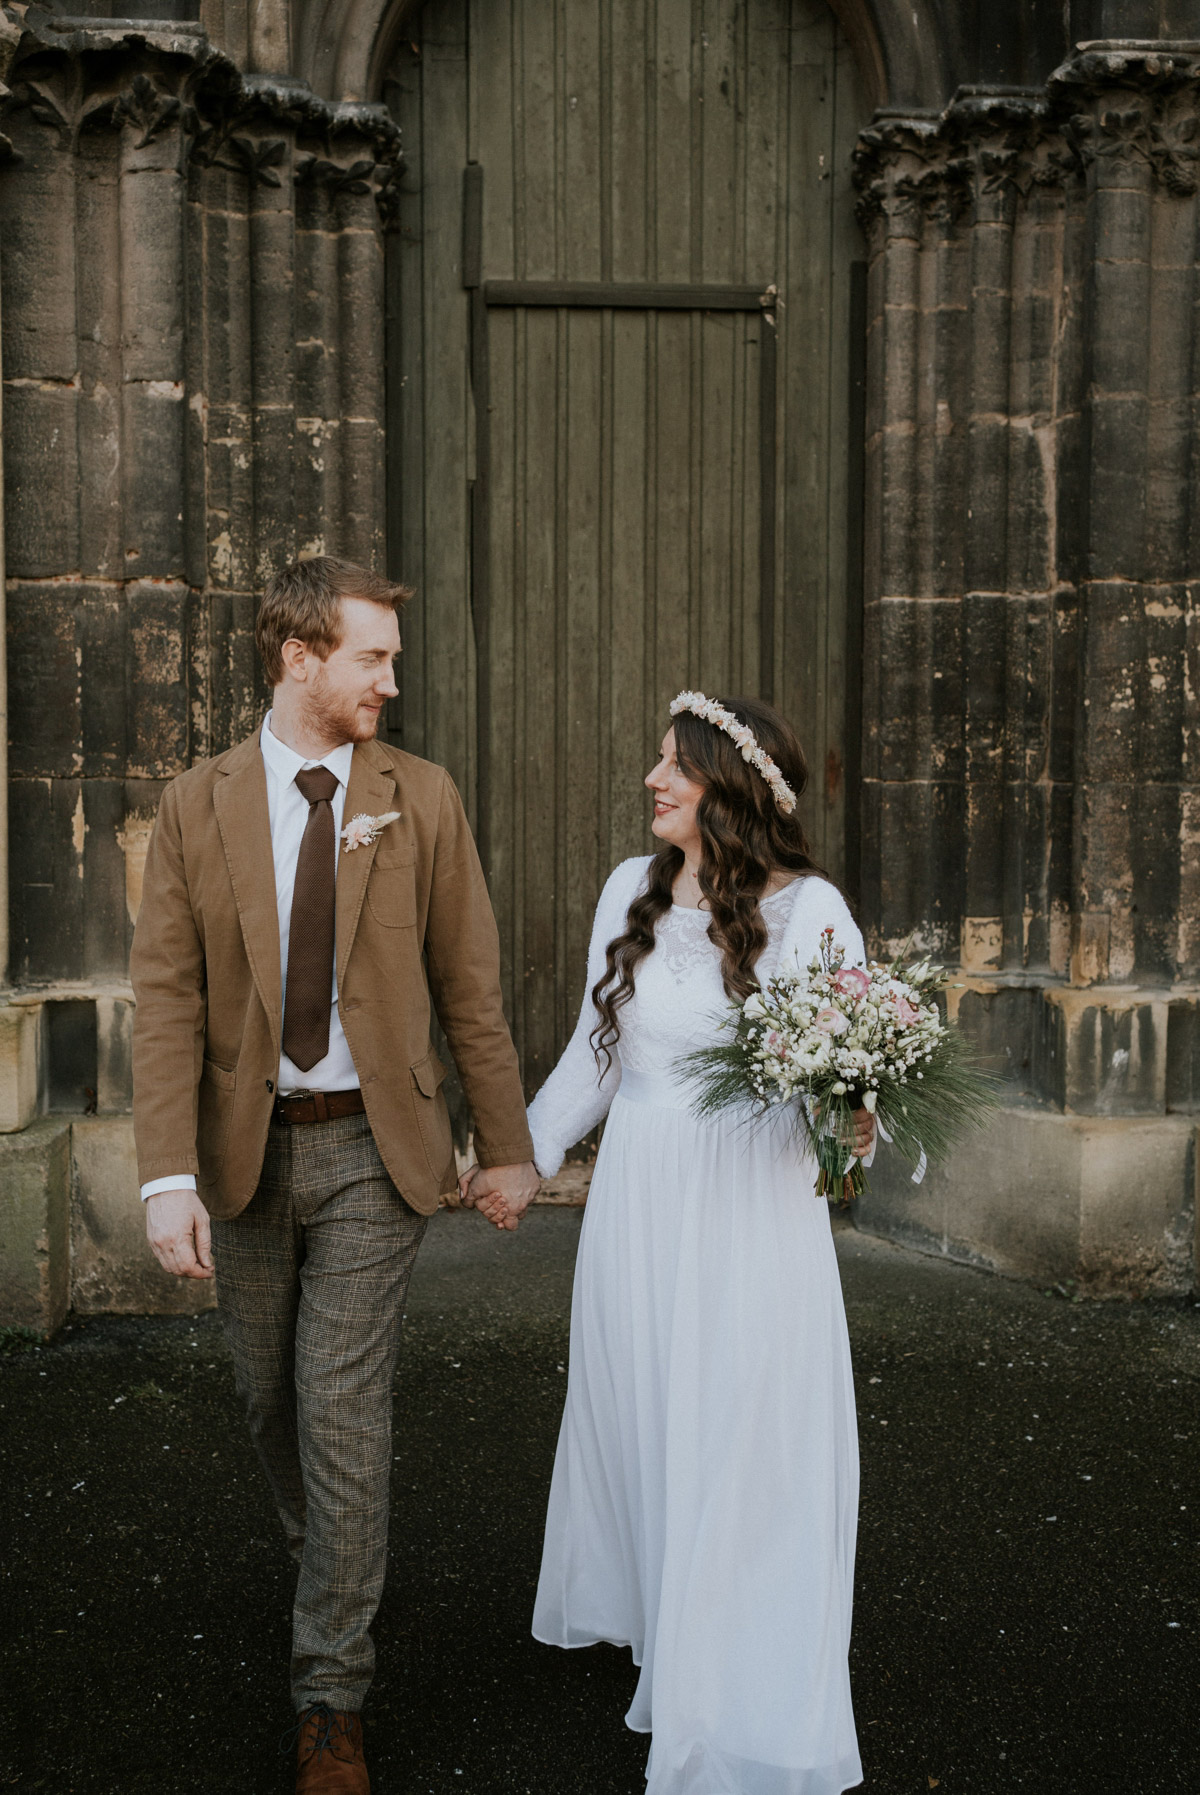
(619,300)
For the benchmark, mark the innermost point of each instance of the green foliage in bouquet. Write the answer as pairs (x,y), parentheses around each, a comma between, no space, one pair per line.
(834,1039)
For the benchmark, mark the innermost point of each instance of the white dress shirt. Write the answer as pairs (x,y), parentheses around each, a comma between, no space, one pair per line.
(287,808)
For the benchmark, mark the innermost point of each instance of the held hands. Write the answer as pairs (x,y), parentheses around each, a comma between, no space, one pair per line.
(501,1193)
(178,1231)
(504,1193)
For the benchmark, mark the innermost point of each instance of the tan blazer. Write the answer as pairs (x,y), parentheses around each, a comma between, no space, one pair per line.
(206,975)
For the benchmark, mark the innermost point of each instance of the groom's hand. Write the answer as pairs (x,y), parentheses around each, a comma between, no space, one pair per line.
(503,1193)
(493,1208)
(179,1235)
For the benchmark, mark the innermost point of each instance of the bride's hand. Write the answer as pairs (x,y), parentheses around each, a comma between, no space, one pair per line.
(864,1132)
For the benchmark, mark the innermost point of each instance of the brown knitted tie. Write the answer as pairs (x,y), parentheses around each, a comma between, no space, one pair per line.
(310,938)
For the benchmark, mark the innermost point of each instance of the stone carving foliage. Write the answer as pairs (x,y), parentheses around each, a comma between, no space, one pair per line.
(64,79)
(972,150)
(1169,146)
(65,105)
(378,174)
(146,107)
(387,194)
(259,159)
(907,163)
(1028,159)
(320,171)
(1126,103)
(42,104)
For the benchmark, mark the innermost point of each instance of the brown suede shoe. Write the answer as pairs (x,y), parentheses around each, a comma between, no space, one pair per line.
(329,1753)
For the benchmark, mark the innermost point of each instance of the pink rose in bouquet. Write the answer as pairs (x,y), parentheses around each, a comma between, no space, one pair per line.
(852,981)
(905,1011)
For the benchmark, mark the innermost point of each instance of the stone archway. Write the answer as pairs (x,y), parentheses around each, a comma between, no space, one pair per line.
(901,47)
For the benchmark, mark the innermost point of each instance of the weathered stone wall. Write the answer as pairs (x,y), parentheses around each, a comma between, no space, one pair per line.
(192,350)
(191,260)
(1032,621)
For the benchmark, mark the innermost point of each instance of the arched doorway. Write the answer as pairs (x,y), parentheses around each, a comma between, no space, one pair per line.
(621,299)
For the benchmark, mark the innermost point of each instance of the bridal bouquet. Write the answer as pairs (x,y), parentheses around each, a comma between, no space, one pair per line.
(833,1039)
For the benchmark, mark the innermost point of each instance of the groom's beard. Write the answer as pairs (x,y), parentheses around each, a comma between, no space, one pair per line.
(339,717)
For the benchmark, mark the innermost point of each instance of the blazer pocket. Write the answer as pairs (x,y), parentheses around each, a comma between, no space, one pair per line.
(433,1118)
(392,889)
(214,1117)
(224,1077)
(428,1074)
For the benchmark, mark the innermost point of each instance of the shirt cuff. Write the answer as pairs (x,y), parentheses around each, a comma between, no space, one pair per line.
(181,1181)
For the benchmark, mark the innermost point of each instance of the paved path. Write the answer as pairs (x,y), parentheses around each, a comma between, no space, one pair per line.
(1027,1608)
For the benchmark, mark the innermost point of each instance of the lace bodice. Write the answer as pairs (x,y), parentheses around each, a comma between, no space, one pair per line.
(679,997)
(677,1000)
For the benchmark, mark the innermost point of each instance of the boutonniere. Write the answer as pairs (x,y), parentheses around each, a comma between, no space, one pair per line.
(361,831)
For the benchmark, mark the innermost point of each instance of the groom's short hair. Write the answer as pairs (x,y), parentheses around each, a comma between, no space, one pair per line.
(304,600)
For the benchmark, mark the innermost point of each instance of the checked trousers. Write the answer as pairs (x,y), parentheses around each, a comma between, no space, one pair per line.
(311,1282)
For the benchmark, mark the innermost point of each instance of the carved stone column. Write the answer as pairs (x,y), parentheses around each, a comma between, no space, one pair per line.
(1029,748)
(193,361)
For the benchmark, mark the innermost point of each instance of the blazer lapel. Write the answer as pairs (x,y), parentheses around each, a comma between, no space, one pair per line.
(371,791)
(243,818)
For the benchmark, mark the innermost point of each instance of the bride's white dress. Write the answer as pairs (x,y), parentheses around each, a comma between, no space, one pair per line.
(705,1492)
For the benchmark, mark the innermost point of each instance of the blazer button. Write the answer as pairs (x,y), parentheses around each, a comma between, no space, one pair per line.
(270,1085)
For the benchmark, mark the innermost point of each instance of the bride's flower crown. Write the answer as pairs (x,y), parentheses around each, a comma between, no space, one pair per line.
(743,738)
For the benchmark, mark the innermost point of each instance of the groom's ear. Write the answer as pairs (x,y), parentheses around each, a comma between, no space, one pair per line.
(298,658)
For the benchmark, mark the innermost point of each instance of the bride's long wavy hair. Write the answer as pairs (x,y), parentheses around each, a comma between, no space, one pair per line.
(744,838)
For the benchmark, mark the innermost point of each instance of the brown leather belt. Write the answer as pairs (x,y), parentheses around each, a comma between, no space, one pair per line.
(317,1106)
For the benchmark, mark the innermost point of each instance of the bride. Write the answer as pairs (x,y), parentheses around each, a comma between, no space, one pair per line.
(704,1498)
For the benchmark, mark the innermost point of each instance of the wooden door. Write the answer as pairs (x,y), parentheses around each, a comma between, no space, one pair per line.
(620,295)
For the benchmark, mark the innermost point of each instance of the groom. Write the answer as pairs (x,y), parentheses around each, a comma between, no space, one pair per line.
(308,896)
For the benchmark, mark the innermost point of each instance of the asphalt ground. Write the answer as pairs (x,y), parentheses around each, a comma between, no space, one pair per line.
(1026,1610)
